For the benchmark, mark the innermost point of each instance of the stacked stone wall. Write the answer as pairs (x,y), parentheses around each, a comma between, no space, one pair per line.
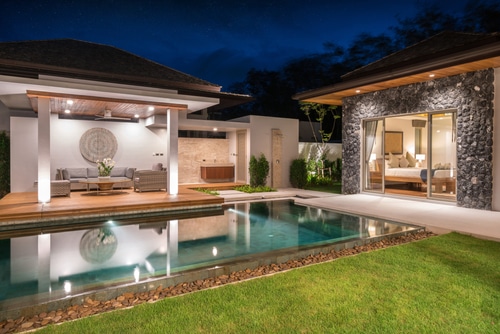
(471,94)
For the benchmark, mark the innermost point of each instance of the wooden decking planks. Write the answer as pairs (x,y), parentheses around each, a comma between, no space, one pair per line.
(19,207)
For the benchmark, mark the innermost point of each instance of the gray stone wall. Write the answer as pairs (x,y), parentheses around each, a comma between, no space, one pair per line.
(471,94)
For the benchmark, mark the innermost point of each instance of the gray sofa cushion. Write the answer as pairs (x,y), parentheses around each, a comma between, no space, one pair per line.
(92,172)
(118,171)
(130,173)
(75,173)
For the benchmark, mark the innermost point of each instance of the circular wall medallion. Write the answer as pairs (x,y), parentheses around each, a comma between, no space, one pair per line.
(98,245)
(97,144)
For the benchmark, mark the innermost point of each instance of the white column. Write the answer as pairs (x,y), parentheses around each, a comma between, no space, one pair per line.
(172,243)
(44,263)
(173,151)
(43,150)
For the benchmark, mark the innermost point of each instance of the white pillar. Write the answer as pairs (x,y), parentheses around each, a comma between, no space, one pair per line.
(44,263)
(43,150)
(173,151)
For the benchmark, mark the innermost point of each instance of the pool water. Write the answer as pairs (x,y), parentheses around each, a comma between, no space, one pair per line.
(38,267)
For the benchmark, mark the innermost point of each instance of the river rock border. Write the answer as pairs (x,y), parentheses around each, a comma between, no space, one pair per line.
(115,299)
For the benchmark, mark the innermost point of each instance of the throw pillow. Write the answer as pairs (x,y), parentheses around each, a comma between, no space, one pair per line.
(412,162)
(393,161)
(403,163)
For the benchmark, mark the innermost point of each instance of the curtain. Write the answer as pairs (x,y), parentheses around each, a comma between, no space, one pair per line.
(370,135)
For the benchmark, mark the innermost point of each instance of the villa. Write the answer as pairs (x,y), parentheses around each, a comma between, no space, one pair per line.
(423,122)
(68,103)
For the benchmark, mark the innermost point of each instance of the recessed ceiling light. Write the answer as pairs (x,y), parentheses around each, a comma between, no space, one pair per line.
(358,91)
(151,108)
(69,102)
(67,111)
(432,75)
(136,115)
(215,129)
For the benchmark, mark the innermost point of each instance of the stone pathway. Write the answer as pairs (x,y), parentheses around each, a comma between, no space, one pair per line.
(92,307)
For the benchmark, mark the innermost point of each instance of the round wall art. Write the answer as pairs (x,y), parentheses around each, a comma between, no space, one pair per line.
(98,245)
(97,144)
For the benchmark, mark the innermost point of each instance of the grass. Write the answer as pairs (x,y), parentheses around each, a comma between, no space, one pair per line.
(336,188)
(258,189)
(208,191)
(445,284)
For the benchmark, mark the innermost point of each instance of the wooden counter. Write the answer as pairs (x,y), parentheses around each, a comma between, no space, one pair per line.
(217,172)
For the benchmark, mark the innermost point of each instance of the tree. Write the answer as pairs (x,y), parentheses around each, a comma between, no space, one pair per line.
(320,112)
(481,16)
(429,21)
(367,48)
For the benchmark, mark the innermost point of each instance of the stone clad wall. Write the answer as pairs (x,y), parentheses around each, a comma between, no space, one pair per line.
(471,94)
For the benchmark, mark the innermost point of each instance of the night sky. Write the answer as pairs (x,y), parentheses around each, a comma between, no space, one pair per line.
(218,41)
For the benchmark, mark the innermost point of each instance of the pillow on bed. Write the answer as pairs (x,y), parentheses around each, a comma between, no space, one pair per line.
(393,161)
(411,160)
(403,163)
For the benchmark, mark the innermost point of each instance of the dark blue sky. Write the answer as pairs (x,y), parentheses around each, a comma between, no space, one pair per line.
(218,41)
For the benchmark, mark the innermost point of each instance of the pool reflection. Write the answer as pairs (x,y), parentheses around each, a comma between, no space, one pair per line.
(54,265)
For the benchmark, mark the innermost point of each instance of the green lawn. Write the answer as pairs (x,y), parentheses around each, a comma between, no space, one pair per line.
(336,188)
(446,284)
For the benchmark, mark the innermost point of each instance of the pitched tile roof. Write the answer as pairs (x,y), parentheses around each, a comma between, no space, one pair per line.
(74,58)
(442,44)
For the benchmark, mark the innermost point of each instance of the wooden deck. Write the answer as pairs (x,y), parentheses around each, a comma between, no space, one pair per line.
(22,208)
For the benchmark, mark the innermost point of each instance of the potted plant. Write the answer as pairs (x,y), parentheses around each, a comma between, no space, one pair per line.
(105,167)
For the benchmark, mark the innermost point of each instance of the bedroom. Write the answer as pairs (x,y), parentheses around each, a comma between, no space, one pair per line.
(412,155)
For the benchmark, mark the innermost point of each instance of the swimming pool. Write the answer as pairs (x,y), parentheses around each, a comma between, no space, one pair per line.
(39,267)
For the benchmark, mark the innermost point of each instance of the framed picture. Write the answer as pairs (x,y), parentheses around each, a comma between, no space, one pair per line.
(393,142)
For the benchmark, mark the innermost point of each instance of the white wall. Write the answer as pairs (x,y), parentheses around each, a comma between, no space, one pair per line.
(136,145)
(261,141)
(23,154)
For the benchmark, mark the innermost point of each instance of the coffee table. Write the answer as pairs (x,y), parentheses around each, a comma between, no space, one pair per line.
(104,185)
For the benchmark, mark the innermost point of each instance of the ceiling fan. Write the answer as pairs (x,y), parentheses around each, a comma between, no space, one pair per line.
(107,114)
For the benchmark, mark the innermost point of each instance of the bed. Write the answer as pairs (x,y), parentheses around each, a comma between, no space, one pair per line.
(444,179)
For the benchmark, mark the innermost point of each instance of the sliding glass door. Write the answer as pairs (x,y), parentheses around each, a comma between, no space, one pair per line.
(373,155)
(443,152)
(411,155)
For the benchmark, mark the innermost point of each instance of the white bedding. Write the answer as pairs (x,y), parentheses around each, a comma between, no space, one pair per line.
(415,172)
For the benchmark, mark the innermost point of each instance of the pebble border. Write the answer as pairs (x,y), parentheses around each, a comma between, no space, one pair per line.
(129,299)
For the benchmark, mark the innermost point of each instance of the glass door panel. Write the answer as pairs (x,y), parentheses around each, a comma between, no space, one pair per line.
(441,167)
(373,156)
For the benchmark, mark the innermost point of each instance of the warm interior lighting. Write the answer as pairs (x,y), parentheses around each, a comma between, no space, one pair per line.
(67,111)
(136,115)
(151,108)
(358,91)
(69,102)
(215,129)
(373,156)
(432,75)
(420,158)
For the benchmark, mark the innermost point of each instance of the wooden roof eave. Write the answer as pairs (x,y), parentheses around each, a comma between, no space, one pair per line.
(333,94)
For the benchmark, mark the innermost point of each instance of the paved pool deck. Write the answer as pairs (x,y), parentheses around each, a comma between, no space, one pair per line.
(438,217)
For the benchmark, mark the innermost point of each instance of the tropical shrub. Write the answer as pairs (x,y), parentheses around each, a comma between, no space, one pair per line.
(259,170)
(298,173)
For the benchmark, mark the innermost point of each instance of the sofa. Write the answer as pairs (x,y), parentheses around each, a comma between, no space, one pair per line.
(74,175)
(150,180)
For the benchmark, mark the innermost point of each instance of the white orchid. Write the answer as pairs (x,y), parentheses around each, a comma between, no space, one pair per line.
(105,166)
